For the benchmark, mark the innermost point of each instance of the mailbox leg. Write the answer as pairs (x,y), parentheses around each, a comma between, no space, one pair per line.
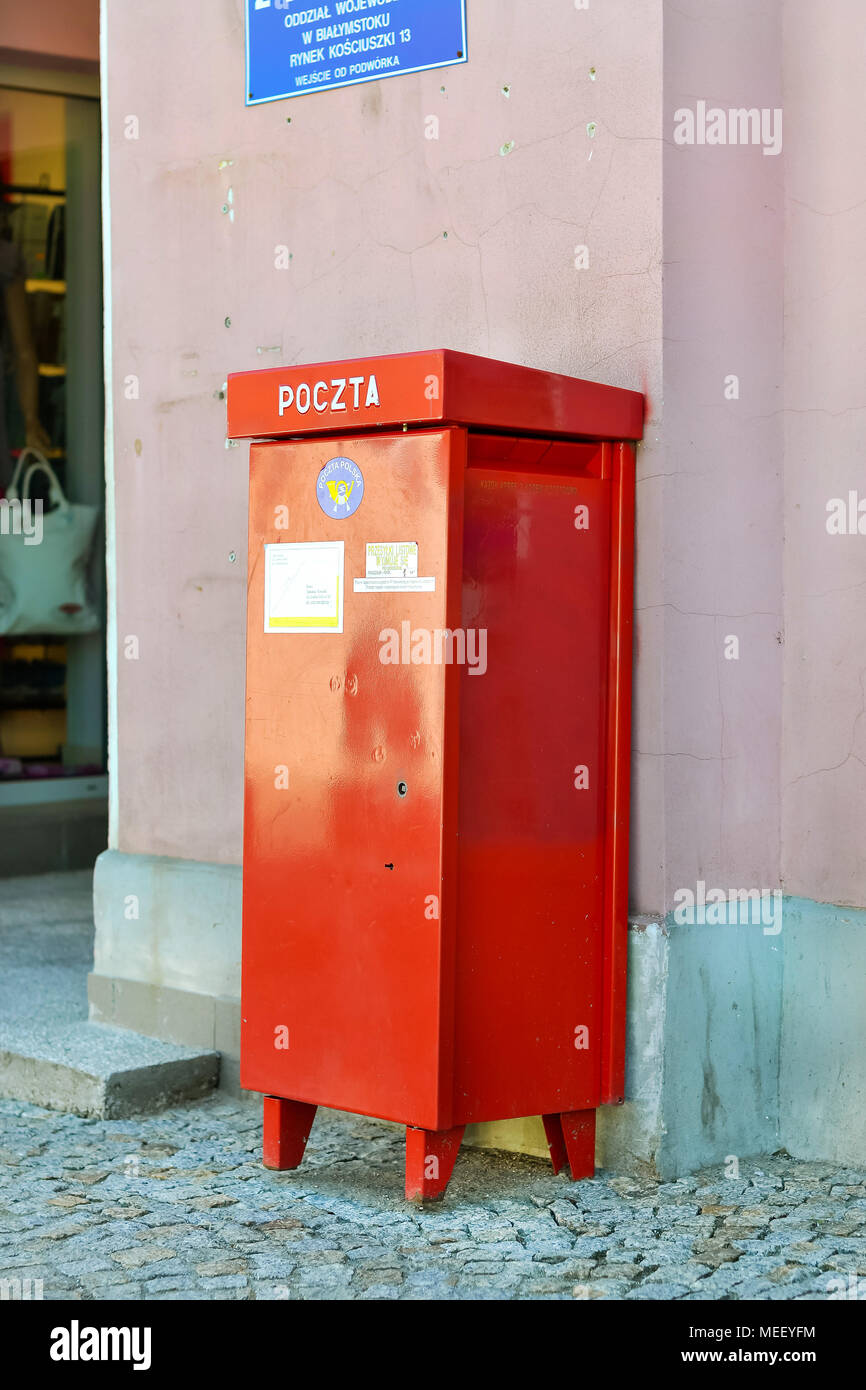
(287,1125)
(430,1158)
(572,1136)
(555,1140)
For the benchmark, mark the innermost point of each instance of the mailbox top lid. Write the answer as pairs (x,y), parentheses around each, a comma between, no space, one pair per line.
(427,388)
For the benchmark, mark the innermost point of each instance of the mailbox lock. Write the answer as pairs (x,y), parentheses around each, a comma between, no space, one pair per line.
(402,788)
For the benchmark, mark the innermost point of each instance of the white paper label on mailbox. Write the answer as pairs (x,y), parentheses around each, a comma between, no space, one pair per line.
(393,585)
(392,559)
(304,587)
(392,568)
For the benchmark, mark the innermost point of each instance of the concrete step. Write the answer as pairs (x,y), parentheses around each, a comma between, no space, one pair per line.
(91,1069)
(50,1054)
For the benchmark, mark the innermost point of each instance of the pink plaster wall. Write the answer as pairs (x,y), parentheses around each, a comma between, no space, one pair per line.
(349,183)
(824,760)
(715,753)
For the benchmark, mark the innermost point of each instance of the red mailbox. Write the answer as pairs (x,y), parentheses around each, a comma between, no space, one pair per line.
(437,749)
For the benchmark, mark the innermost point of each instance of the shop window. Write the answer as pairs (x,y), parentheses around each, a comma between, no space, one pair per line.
(52,684)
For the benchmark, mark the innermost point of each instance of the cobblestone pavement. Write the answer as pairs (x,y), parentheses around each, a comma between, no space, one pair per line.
(177,1206)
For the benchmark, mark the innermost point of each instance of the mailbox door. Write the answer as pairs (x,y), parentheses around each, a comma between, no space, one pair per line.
(350,830)
(531,890)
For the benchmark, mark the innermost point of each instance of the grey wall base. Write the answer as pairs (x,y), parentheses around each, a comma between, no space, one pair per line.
(822,1072)
(176,1015)
(762,1040)
(630,1135)
(738,1042)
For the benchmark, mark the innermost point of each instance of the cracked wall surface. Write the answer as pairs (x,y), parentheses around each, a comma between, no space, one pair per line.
(393,242)
(721,494)
(763,756)
(824,749)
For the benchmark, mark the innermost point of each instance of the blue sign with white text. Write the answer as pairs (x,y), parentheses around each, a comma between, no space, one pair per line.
(294,47)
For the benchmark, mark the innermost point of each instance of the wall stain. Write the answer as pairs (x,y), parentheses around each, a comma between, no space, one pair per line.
(710,1100)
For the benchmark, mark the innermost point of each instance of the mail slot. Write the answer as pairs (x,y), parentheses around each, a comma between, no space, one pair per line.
(437,749)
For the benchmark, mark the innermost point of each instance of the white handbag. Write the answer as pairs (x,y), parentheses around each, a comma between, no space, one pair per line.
(43,559)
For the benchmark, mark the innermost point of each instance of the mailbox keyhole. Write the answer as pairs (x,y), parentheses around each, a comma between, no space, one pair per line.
(402,788)
(389,866)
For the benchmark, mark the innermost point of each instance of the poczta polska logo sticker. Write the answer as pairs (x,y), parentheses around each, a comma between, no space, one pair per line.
(340,488)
